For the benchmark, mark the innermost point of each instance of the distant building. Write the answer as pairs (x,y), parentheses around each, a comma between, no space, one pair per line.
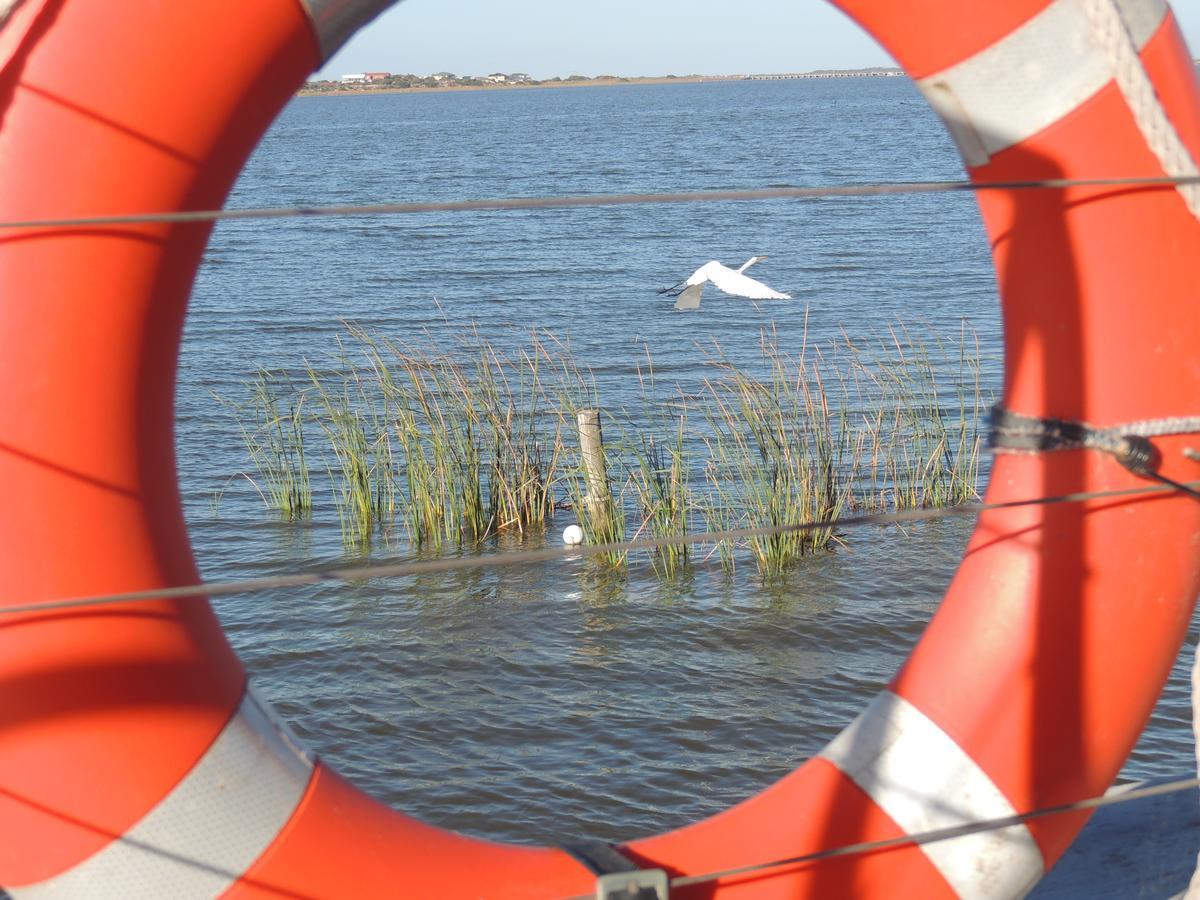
(356,78)
(829,73)
(520,78)
(496,78)
(373,77)
(444,76)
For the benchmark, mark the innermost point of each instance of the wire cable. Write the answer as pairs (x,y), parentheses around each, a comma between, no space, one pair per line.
(941,834)
(203,590)
(586,200)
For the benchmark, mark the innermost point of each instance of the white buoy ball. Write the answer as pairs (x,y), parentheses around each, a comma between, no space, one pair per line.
(572,535)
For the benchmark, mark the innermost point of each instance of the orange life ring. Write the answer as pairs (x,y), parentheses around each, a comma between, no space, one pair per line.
(134,761)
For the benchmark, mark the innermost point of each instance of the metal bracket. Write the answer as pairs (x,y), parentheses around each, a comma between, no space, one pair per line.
(642,884)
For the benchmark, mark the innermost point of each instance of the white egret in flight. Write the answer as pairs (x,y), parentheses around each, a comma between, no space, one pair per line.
(726,279)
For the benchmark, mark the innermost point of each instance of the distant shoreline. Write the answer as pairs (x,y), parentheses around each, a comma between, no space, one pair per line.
(589,82)
(346,91)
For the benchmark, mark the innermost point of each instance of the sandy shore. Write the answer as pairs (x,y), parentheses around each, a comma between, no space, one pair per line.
(592,82)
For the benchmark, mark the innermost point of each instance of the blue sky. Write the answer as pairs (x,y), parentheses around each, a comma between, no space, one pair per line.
(623,37)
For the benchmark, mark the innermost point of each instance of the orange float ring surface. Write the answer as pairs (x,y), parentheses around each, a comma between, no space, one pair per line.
(133,759)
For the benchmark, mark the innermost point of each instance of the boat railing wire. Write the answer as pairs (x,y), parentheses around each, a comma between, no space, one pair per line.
(501,204)
(1122,794)
(392,570)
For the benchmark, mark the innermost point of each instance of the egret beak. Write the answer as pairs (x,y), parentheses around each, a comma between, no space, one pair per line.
(673,291)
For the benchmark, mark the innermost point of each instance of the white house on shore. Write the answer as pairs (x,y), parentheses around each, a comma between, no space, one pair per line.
(366,77)
(501,78)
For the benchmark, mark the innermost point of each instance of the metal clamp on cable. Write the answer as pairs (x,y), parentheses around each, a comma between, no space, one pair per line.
(643,884)
(1130,445)
(618,877)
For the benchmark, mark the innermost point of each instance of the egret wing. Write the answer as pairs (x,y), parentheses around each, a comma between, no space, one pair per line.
(740,285)
(689,297)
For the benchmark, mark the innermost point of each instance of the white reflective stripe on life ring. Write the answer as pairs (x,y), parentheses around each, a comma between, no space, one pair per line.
(1028,80)
(206,832)
(924,781)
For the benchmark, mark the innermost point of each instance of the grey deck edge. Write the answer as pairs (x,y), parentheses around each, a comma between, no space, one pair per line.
(1142,849)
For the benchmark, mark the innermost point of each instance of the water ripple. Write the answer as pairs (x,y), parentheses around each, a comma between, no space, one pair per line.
(534,703)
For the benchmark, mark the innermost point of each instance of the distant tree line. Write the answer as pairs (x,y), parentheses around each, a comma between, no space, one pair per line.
(446,79)
(394,81)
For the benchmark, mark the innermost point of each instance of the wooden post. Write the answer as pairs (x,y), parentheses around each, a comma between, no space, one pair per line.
(591,443)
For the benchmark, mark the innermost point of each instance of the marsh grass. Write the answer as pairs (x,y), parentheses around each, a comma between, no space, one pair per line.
(274,439)
(476,454)
(524,463)
(355,421)
(779,454)
(660,482)
(458,442)
(660,474)
(922,434)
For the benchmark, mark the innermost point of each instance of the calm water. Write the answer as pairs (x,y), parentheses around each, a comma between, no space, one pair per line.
(534,704)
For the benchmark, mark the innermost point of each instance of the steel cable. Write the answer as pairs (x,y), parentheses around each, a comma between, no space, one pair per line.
(528,557)
(940,834)
(587,200)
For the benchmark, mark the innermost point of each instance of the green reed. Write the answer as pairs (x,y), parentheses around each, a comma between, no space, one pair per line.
(510,398)
(354,419)
(476,455)
(660,482)
(275,443)
(459,442)
(921,455)
(660,475)
(964,444)
(779,452)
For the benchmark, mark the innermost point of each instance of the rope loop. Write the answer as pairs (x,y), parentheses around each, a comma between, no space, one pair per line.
(1129,444)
